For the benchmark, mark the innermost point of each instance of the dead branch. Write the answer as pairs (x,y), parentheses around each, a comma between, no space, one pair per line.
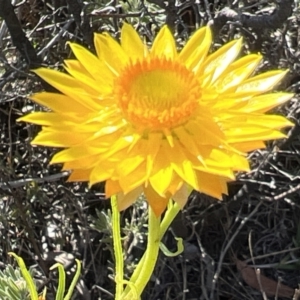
(272,21)
(171,11)
(18,36)
(76,8)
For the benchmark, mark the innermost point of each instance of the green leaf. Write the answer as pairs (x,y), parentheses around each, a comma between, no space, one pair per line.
(74,281)
(26,275)
(166,251)
(61,281)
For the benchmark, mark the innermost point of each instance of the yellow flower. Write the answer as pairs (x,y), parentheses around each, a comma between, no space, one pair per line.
(159,120)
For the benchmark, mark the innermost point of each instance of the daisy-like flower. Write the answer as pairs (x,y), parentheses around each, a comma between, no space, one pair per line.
(158,121)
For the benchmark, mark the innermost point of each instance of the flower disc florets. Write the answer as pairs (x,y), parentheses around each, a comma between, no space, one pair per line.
(157,93)
(157,120)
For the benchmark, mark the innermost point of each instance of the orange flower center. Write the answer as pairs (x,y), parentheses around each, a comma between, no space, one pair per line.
(157,93)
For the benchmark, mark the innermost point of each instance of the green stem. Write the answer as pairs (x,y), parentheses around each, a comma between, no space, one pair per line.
(155,235)
(149,258)
(171,213)
(117,248)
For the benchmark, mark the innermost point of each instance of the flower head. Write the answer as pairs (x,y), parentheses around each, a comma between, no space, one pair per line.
(158,121)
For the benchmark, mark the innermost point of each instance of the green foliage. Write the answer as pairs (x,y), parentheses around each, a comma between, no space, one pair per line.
(16,284)
(143,13)
(12,285)
(62,281)
(102,222)
(30,285)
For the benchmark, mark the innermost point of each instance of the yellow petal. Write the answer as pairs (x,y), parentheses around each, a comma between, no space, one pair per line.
(91,86)
(136,178)
(80,175)
(132,43)
(180,164)
(261,83)
(237,72)
(161,181)
(81,164)
(212,185)
(219,61)
(176,185)
(127,166)
(157,203)
(101,172)
(269,121)
(44,119)
(96,68)
(216,162)
(240,163)
(68,86)
(196,49)
(74,153)
(153,144)
(77,66)
(252,133)
(181,195)
(59,138)
(245,62)
(249,146)
(187,140)
(112,187)
(109,50)
(125,200)
(60,103)
(264,103)
(164,44)
(210,132)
